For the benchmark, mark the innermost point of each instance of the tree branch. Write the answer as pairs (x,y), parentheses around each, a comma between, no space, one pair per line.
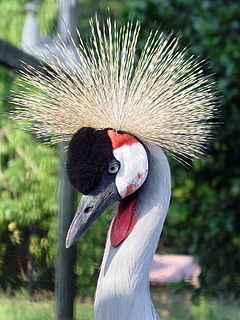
(14,58)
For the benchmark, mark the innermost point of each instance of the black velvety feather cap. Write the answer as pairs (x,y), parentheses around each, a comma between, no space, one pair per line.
(89,153)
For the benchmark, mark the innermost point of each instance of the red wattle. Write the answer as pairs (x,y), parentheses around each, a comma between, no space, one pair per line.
(124,221)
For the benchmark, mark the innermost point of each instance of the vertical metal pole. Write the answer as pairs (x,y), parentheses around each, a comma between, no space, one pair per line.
(65,278)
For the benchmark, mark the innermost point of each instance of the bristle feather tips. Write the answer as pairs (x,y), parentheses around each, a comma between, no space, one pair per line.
(161,97)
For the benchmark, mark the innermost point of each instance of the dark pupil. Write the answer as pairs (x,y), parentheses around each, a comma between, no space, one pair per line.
(112,168)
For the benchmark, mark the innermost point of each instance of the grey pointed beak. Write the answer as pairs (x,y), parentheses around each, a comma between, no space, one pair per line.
(90,208)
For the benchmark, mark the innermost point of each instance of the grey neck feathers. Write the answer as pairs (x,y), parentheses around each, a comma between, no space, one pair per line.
(123,285)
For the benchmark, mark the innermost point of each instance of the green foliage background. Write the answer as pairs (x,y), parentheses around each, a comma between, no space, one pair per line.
(203,218)
(204,214)
(28,187)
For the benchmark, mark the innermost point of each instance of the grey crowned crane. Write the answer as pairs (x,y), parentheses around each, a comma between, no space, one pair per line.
(120,111)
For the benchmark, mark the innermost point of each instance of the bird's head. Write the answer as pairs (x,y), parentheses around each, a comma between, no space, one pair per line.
(106,166)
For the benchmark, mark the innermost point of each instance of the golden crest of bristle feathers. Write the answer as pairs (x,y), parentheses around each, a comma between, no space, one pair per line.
(159,95)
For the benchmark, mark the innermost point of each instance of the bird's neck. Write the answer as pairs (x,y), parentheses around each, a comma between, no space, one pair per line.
(123,284)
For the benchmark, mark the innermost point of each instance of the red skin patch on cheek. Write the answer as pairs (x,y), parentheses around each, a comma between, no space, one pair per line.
(134,186)
(130,189)
(140,176)
(124,222)
(118,139)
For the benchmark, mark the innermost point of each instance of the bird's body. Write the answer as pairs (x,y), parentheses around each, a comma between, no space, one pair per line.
(120,113)
(123,285)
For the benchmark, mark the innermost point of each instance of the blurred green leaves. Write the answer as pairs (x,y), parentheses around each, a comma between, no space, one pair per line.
(29,186)
(204,213)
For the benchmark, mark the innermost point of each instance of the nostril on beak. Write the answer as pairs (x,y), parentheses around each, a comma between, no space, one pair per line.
(87,209)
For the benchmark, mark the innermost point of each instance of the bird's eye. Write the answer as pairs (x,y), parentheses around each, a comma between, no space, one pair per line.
(113,167)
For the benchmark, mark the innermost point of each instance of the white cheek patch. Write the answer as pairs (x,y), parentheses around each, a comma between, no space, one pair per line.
(133,170)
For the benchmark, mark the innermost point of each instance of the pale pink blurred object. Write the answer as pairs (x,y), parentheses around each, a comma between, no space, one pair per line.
(171,268)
